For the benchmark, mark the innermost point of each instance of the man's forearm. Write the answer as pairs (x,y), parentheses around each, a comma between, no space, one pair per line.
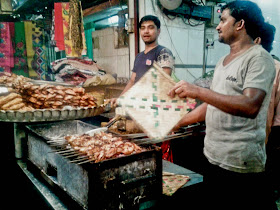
(127,87)
(240,105)
(197,115)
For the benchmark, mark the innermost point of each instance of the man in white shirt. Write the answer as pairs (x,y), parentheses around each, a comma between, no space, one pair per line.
(235,112)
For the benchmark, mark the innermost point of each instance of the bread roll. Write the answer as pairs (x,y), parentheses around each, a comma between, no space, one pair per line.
(13,102)
(8,98)
(17,106)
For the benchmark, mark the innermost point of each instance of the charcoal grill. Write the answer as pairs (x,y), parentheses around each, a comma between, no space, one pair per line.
(127,182)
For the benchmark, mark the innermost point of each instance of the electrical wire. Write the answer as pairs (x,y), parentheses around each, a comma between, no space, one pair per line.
(190,23)
(175,48)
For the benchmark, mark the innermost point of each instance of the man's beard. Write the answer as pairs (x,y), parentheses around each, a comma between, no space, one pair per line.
(221,40)
(228,40)
(150,42)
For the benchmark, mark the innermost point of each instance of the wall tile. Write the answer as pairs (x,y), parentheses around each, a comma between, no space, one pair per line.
(122,51)
(180,40)
(122,66)
(215,54)
(96,54)
(96,33)
(188,75)
(195,47)
(164,38)
(109,64)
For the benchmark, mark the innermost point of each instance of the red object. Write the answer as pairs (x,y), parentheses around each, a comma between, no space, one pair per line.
(166,151)
(58,26)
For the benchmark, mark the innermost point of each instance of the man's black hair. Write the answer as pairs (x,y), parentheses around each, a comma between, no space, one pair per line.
(266,34)
(150,18)
(249,12)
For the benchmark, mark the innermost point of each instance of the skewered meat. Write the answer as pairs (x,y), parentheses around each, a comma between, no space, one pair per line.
(102,146)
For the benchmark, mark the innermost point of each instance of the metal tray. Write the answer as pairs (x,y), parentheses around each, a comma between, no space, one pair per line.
(41,115)
(43,82)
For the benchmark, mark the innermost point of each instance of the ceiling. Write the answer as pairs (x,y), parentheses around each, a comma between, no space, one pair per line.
(27,8)
(32,6)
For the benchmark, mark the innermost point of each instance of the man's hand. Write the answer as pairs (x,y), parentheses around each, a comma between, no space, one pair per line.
(113,102)
(184,89)
(175,128)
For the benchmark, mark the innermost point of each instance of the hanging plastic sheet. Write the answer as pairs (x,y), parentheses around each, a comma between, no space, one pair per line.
(6,47)
(36,50)
(58,27)
(20,55)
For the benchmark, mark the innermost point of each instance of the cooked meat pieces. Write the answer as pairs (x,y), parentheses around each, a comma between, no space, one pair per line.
(102,146)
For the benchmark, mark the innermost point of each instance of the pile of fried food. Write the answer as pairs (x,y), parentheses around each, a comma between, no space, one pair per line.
(55,97)
(13,101)
(102,146)
(28,96)
(10,80)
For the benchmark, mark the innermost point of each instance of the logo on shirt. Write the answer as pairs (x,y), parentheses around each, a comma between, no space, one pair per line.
(148,62)
(231,78)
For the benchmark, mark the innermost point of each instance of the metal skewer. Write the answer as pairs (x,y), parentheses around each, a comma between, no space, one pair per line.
(74,155)
(57,150)
(155,141)
(56,140)
(87,161)
(80,158)
(57,144)
(65,151)
(131,136)
(67,154)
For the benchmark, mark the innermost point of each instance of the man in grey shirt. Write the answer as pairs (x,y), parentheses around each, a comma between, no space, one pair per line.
(235,112)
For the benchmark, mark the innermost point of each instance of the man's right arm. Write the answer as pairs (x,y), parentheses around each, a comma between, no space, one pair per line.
(127,87)
(130,83)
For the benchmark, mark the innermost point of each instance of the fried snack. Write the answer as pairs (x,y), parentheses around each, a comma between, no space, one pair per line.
(55,97)
(12,80)
(13,102)
(17,106)
(27,108)
(8,98)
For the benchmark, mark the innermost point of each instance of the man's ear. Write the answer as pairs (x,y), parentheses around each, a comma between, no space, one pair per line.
(258,40)
(240,24)
(158,31)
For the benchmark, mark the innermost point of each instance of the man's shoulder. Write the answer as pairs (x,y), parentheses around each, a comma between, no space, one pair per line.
(257,55)
(260,51)
(163,50)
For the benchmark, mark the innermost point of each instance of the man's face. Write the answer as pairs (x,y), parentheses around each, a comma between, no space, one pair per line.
(226,27)
(149,32)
